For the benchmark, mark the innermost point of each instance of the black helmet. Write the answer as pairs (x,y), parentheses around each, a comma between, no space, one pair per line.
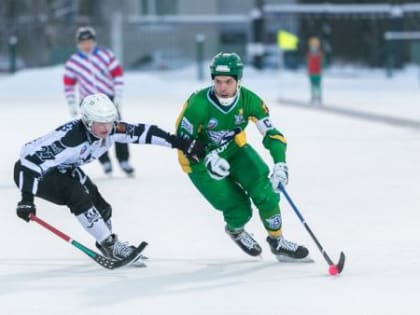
(85,33)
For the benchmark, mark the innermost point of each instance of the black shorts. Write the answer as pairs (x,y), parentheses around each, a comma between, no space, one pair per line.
(72,188)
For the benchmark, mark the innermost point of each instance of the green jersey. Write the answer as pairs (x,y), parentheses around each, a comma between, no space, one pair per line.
(222,128)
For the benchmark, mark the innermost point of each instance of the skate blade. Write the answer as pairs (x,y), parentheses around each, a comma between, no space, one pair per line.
(138,262)
(287,259)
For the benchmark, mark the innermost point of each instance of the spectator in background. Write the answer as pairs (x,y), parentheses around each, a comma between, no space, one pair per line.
(314,65)
(96,70)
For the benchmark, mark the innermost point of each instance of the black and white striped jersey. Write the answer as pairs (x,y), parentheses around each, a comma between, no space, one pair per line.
(72,145)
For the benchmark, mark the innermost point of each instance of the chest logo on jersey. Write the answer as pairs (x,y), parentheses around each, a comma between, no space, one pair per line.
(212,123)
(222,137)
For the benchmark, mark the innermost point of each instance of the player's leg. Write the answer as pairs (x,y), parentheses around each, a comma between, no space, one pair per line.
(65,189)
(122,153)
(106,163)
(228,197)
(248,168)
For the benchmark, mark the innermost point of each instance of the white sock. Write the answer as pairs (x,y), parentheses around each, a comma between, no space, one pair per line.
(94,224)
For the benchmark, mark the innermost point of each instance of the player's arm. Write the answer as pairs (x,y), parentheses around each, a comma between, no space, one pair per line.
(188,126)
(152,134)
(35,161)
(188,121)
(273,140)
(117,73)
(275,143)
(69,81)
(49,151)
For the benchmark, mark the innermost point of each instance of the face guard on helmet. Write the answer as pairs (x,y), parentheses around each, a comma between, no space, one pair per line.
(85,33)
(227,64)
(98,108)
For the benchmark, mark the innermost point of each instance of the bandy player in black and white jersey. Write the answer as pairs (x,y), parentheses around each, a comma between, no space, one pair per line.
(49,167)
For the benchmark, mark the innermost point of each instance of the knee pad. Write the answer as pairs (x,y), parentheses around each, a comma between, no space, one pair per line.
(85,202)
(264,197)
(79,207)
(79,200)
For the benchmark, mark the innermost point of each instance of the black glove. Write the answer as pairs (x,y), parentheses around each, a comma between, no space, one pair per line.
(191,147)
(24,209)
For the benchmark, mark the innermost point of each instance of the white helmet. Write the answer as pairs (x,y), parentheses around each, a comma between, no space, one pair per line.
(97,108)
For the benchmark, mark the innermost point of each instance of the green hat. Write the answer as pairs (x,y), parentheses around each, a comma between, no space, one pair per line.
(229,64)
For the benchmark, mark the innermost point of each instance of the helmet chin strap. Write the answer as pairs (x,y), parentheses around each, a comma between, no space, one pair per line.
(227,101)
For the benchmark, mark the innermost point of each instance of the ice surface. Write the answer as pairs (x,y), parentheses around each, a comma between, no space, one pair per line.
(355,182)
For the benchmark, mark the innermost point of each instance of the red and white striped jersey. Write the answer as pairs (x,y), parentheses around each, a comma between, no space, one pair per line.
(98,72)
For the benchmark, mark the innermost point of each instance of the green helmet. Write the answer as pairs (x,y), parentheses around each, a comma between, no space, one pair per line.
(229,64)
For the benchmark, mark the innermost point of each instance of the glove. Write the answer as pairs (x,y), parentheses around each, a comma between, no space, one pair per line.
(24,209)
(217,167)
(279,175)
(190,147)
(73,109)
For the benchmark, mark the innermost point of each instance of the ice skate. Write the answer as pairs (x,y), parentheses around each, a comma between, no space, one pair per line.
(127,168)
(316,100)
(286,251)
(115,249)
(245,241)
(107,167)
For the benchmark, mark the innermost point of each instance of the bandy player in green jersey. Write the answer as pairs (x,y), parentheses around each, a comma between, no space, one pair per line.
(232,174)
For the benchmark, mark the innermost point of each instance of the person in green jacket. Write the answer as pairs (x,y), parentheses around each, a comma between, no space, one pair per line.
(232,175)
